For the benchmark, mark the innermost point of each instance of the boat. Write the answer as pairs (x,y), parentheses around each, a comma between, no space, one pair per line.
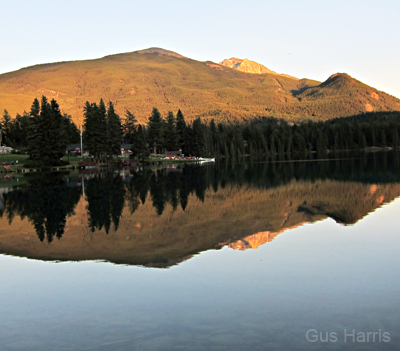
(202,159)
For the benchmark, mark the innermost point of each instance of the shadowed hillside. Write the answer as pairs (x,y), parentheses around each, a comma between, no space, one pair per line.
(141,80)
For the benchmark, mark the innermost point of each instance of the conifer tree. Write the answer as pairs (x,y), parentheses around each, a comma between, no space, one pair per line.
(95,124)
(198,138)
(170,133)
(129,127)
(155,134)
(5,126)
(114,132)
(139,147)
(181,129)
(47,138)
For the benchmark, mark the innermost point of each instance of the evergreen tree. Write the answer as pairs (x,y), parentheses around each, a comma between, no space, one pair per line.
(114,132)
(129,127)
(34,131)
(95,124)
(181,129)
(170,133)
(47,138)
(155,134)
(71,130)
(139,148)
(198,138)
(5,126)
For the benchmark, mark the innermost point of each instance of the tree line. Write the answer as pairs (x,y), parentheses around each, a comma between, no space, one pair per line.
(44,133)
(269,136)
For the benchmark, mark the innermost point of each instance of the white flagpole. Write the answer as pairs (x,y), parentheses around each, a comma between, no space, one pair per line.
(81,143)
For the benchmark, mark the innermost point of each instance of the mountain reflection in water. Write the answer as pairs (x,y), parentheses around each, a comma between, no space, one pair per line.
(162,217)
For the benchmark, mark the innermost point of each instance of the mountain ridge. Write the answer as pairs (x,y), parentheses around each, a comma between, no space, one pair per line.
(155,77)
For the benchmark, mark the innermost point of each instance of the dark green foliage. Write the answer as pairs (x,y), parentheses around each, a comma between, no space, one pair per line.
(47,137)
(171,138)
(46,201)
(114,132)
(156,131)
(5,126)
(103,130)
(129,127)
(198,138)
(139,147)
(105,195)
(71,130)
(181,128)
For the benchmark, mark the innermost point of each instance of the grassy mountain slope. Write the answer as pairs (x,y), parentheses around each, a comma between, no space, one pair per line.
(139,81)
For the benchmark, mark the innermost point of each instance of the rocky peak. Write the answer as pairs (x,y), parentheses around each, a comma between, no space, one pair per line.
(246,66)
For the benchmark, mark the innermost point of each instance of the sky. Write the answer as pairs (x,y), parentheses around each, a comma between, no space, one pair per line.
(307,39)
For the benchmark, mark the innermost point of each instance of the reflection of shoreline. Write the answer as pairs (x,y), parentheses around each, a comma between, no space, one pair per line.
(230,215)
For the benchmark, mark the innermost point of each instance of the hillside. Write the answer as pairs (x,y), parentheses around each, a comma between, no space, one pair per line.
(155,77)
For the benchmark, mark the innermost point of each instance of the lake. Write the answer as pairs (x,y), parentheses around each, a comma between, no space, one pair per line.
(249,255)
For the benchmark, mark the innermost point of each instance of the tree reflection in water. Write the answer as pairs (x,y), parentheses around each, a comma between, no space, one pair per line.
(48,199)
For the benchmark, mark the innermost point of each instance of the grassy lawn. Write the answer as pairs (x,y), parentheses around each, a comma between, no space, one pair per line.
(73,160)
(13,157)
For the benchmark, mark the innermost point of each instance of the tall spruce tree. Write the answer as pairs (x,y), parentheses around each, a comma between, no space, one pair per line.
(170,133)
(155,131)
(181,129)
(139,148)
(5,126)
(95,124)
(47,138)
(198,138)
(114,132)
(129,127)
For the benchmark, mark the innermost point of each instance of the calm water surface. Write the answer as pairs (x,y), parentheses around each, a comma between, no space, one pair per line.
(242,256)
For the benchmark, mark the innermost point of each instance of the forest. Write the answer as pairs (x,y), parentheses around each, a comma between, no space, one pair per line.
(44,133)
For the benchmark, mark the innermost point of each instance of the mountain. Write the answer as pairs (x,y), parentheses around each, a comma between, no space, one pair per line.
(246,66)
(155,77)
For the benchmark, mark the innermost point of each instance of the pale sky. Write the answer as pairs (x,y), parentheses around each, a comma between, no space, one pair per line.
(307,39)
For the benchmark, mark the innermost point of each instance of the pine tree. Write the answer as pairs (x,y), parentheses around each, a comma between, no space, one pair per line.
(198,138)
(101,128)
(5,126)
(47,137)
(129,127)
(181,129)
(34,131)
(95,124)
(139,148)
(155,134)
(170,133)
(114,132)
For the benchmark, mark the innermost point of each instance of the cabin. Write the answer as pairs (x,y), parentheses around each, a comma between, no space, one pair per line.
(75,149)
(174,154)
(126,149)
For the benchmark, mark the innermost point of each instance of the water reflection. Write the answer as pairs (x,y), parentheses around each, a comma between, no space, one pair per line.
(46,201)
(159,217)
